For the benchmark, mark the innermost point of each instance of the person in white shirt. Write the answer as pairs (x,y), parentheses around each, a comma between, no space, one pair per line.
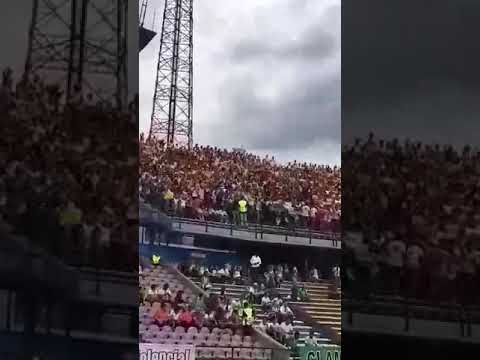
(221,272)
(255,261)
(255,265)
(336,276)
(286,313)
(285,330)
(395,251)
(414,257)
(165,293)
(152,293)
(311,339)
(266,302)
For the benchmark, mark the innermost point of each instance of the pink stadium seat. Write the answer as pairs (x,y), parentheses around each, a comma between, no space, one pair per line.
(167,329)
(212,342)
(222,353)
(198,341)
(193,330)
(227,331)
(225,338)
(179,329)
(175,336)
(189,338)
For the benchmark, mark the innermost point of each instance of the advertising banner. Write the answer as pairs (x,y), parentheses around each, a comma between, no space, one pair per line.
(325,352)
(166,352)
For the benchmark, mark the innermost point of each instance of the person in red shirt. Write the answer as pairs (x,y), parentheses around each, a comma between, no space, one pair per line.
(185,317)
(163,315)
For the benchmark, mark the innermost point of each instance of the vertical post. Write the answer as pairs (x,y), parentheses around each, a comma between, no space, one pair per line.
(190,80)
(9,310)
(81,47)
(71,57)
(31,31)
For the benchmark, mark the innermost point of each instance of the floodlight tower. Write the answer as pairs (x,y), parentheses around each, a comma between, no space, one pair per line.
(81,43)
(171,118)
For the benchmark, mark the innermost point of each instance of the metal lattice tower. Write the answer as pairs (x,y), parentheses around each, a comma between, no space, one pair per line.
(172,113)
(81,43)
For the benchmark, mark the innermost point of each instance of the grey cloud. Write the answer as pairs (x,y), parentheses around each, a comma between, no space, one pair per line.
(301,116)
(315,44)
(259,88)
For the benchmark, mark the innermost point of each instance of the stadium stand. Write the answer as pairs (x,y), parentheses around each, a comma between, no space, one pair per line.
(195,319)
(229,192)
(245,188)
(49,193)
(58,219)
(272,304)
(412,232)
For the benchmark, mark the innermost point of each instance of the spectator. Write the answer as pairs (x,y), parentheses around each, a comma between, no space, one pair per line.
(199,304)
(413,220)
(56,196)
(205,282)
(165,294)
(185,317)
(251,189)
(255,264)
(311,339)
(164,315)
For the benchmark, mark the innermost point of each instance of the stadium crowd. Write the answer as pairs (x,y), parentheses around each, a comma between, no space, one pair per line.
(238,187)
(173,308)
(411,215)
(58,162)
(261,285)
(261,291)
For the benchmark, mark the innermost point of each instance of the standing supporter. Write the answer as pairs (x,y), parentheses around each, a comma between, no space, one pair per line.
(395,251)
(314,274)
(198,304)
(253,189)
(255,264)
(205,282)
(336,276)
(247,314)
(242,209)
(311,339)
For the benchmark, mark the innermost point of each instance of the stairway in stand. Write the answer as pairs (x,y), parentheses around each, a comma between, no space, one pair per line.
(324,310)
(321,306)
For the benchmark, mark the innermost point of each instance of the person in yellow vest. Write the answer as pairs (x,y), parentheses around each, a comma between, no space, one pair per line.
(248,314)
(242,208)
(155,260)
(168,199)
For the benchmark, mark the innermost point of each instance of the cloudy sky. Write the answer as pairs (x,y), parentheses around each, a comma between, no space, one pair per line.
(266,76)
(410,69)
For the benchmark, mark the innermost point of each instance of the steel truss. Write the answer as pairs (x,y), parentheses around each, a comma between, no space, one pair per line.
(171,118)
(81,44)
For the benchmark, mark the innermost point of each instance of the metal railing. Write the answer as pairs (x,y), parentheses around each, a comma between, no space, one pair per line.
(150,214)
(259,230)
(412,309)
